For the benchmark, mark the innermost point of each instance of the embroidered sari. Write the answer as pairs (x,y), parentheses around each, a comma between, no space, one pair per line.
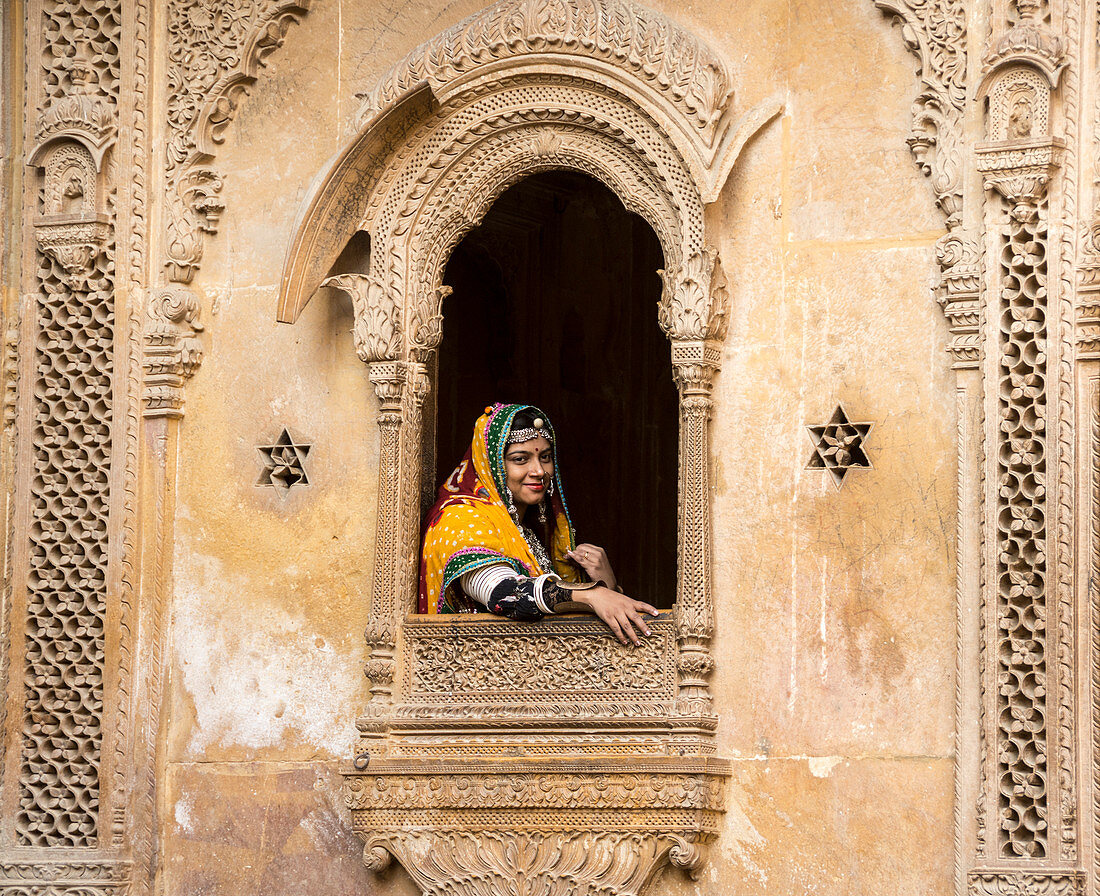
(469,525)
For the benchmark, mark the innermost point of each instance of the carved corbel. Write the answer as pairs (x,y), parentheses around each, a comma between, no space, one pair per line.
(426,328)
(694,302)
(194,210)
(173,349)
(74,243)
(957,289)
(534,863)
(1020,171)
(575,827)
(377,327)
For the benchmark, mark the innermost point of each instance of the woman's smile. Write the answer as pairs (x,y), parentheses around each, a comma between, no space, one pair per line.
(528,468)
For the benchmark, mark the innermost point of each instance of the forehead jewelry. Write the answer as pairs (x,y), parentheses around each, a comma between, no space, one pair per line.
(536,429)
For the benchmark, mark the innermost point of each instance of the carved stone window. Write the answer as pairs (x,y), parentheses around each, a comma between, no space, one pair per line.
(627,98)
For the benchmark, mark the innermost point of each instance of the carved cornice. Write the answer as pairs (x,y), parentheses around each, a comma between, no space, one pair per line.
(618,33)
(935,31)
(1020,171)
(402,784)
(215,53)
(173,349)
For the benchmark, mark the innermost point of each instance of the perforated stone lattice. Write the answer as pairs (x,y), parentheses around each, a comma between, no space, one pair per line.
(838,446)
(1021,538)
(284,463)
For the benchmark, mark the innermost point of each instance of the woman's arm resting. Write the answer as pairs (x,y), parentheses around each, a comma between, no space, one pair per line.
(622,614)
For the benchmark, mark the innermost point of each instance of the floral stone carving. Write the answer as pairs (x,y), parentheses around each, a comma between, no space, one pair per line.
(839,446)
(284,463)
(215,53)
(572,764)
(499,777)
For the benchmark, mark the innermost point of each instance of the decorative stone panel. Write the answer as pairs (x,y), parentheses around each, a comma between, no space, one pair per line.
(631,99)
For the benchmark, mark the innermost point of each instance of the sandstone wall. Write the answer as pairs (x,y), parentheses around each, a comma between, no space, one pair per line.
(835,637)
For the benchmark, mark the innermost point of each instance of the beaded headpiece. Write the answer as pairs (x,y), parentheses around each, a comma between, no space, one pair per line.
(536,429)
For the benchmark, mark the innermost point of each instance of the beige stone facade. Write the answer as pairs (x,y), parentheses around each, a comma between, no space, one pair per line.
(226,234)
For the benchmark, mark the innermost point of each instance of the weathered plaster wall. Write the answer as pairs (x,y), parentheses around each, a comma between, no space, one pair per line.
(835,637)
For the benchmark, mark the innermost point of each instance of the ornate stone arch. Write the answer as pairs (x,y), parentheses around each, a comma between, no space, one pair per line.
(620,93)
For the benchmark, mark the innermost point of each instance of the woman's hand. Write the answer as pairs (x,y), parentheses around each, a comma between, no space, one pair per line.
(593,560)
(622,614)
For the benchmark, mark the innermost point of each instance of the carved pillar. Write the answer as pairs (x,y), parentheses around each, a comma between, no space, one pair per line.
(388,378)
(1026,814)
(693,314)
(378,337)
(66,773)
(695,363)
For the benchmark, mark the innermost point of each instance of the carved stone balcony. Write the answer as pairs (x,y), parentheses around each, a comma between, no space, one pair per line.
(528,758)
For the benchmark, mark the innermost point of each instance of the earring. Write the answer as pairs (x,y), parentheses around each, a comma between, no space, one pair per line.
(512,512)
(550,488)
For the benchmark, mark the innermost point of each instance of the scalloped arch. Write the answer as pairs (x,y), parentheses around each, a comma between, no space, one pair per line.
(611,47)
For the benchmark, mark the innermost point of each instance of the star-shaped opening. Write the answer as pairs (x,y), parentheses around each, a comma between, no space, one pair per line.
(284,463)
(838,446)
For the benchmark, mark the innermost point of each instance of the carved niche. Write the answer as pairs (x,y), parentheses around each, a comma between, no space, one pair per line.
(580,766)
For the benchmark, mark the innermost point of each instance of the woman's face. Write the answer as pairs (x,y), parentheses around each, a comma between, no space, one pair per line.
(528,470)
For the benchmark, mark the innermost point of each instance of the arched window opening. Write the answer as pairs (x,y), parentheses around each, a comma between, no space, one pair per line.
(554,303)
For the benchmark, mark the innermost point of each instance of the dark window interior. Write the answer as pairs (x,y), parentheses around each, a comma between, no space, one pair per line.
(555,304)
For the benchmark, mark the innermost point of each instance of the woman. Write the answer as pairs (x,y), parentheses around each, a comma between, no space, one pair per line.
(499,534)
